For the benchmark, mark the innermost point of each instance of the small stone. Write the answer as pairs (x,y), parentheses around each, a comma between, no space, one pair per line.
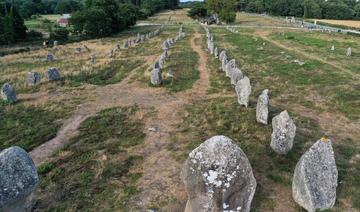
(243,91)
(262,107)
(332,48)
(156,78)
(19,178)
(53,74)
(33,78)
(349,52)
(8,93)
(282,137)
(152,129)
(49,57)
(315,177)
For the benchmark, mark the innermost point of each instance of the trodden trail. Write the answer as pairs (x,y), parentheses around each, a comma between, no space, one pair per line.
(161,172)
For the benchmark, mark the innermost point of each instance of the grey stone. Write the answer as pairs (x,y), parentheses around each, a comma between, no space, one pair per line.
(222,55)
(126,44)
(49,57)
(156,78)
(53,74)
(218,177)
(243,91)
(262,107)
(224,61)
(77,50)
(282,137)
(8,93)
(315,177)
(235,75)
(349,52)
(229,66)
(19,178)
(33,78)
(216,53)
(157,65)
(166,45)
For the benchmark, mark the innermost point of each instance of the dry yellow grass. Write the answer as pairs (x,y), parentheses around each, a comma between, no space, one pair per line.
(349,23)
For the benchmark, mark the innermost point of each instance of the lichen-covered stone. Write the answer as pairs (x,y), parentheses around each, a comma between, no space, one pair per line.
(33,78)
(53,74)
(315,177)
(8,93)
(218,177)
(243,91)
(156,78)
(229,66)
(282,137)
(18,179)
(262,107)
(235,75)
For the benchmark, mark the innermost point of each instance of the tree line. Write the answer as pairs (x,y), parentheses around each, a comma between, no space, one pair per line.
(327,9)
(93,18)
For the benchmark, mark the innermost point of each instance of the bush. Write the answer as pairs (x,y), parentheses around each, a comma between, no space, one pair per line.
(60,34)
(227,16)
(197,10)
(34,34)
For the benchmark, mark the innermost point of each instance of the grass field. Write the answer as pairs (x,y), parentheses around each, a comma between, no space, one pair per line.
(127,153)
(348,23)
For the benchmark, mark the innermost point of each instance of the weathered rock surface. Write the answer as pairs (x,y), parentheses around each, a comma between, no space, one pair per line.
(315,177)
(262,107)
(282,137)
(222,55)
(8,93)
(243,91)
(19,178)
(218,177)
(53,74)
(235,75)
(33,78)
(156,78)
(229,66)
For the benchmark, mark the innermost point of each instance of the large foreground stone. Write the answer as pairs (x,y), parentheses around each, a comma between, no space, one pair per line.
(262,107)
(18,179)
(156,78)
(282,137)
(243,91)
(218,177)
(315,177)
(8,93)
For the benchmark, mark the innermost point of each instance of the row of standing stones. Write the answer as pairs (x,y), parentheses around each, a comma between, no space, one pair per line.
(33,78)
(218,175)
(156,73)
(18,173)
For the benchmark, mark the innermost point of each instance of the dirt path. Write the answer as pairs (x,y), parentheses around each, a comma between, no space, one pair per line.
(161,172)
(264,35)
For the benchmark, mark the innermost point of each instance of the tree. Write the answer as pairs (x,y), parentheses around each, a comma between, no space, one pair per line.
(311,9)
(67,6)
(197,10)
(224,8)
(357,11)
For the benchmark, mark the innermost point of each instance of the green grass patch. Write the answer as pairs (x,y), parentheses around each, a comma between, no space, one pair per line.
(110,74)
(94,172)
(26,126)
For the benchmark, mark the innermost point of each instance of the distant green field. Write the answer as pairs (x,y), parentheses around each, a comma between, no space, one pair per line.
(39,24)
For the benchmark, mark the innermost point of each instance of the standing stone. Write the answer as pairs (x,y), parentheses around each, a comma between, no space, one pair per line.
(218,177)
(156,78)
(92,59)
(166,45)
(224,61)
(157,65)
(235,75)
(126,44)
(77,50)
(332,48)
(56,43)
(349,52)
(315,177)
(222,55)
(229,66)
(262,107)
(33,78)
(216,53)
(211,47)
(8,93)
(283,135)
(243,91)
(49,57)
(19,178)
(53,74)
